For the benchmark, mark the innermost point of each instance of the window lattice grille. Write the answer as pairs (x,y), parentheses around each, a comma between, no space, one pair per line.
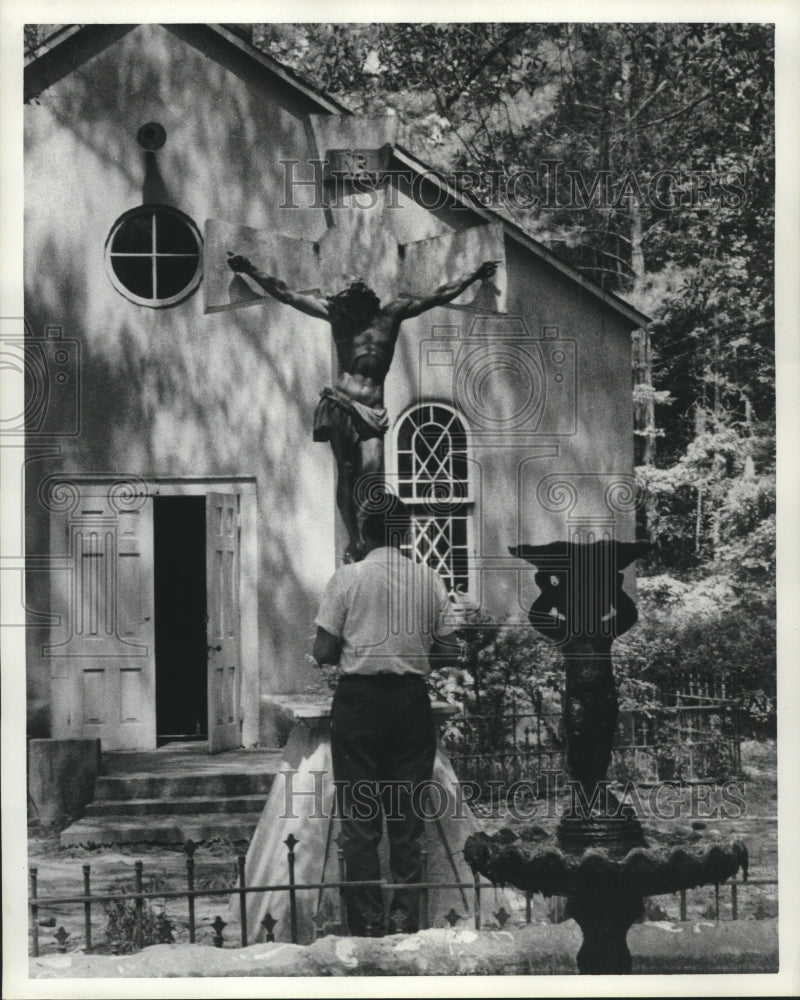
(433,481)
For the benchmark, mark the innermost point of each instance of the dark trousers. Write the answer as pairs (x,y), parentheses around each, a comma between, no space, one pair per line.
(383,744)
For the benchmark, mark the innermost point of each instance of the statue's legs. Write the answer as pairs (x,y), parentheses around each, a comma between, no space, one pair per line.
(354,459)
(347,457)
(370,471)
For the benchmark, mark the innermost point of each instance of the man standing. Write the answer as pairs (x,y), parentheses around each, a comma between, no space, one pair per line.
(351,415)
(382,620)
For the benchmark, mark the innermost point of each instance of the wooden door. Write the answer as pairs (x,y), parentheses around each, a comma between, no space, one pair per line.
(223,627)
(103,645)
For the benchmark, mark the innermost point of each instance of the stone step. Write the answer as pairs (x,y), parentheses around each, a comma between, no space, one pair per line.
(181,786)
(189,758)
(194,805)
(162,829)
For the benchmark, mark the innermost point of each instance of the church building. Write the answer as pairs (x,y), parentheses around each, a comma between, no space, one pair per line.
(180,520)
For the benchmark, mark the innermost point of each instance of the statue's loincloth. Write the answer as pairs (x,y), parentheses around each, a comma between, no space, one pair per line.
(336,412)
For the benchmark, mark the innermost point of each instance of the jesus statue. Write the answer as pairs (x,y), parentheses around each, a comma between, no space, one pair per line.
(351,415)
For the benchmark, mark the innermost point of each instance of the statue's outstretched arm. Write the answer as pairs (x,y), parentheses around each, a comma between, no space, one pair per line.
(445,293)
(279,289)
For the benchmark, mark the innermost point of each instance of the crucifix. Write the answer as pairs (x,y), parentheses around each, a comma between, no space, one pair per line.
(365,283)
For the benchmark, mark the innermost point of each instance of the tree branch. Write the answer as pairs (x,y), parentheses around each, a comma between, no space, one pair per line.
(487,58)
(678,113)
(649,100)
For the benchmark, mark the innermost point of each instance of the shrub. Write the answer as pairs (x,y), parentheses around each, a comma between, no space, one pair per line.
(120,932)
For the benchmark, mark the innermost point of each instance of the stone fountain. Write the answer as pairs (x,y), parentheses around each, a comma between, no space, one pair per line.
(600,861)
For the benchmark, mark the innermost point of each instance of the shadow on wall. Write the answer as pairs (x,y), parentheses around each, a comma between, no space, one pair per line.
(225,131)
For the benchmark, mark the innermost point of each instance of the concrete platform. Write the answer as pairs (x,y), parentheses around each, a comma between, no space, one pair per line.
(61,777)
(702,948)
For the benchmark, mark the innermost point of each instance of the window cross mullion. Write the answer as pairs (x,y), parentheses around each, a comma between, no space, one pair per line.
(140,263)
(155,258)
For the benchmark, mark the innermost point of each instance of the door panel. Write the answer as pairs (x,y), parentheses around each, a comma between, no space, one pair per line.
(103,650)
(223,629)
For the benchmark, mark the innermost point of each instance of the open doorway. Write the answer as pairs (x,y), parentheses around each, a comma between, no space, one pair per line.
(179,529)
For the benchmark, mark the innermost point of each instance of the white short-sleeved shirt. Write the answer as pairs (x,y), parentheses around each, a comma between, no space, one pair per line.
(386,610)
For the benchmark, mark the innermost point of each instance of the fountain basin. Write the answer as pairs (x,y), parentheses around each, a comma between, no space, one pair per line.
(643,871)
(604,890)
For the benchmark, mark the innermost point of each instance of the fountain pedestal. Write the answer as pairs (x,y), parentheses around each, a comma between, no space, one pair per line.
(605,924)
(601,862)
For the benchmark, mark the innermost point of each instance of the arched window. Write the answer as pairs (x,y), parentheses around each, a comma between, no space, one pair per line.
(433,479)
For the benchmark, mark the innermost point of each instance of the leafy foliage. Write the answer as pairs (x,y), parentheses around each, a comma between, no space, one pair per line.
(502,665)
(120,933)
(706,631)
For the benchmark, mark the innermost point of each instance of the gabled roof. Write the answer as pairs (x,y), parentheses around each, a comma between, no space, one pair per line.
(70,46)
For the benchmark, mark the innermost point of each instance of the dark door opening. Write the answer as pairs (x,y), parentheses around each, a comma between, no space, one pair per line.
(179,526)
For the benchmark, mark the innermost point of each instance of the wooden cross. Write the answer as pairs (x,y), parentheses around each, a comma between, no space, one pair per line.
(366,242)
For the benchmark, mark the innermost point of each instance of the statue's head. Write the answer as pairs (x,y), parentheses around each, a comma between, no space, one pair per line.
(357,301)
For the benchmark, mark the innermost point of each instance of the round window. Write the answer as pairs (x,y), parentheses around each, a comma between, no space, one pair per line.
(153,256)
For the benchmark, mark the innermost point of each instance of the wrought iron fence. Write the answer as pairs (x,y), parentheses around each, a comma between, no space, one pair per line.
(141,896)
(688,737)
